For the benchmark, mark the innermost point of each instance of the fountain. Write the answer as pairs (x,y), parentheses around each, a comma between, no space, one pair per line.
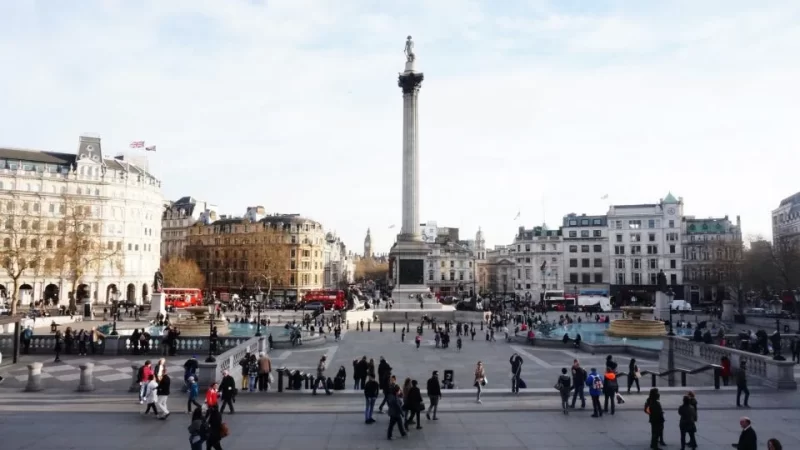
(198,323)
(634,326)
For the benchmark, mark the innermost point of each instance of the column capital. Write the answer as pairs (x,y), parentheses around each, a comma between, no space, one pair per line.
(410,82)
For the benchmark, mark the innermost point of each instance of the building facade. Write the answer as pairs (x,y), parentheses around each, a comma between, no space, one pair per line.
(499,268)
(712,254)
(178,216)
(539,262)
(786,219)
(123,205)
(450,267)
(645,239)
(339,266)
(246,254)
(586,260)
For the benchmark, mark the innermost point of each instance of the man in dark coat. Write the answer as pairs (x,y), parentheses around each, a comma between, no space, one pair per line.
(747,439)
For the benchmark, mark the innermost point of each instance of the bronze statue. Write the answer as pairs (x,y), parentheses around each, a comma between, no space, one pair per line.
(662,281)
(158,281)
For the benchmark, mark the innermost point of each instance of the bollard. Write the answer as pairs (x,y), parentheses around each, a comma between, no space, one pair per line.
(34,377)
(683,379)
(481,325)
(135,387)
(281,370)
(381,326)
(304,377)
(717,374)
(367,327)
(86,383)
(408,326)
(394,327)
(653,378)
(348,324)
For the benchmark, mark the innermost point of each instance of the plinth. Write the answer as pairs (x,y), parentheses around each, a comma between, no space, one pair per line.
(157,305)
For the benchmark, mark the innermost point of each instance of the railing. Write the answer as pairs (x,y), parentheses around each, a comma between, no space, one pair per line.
(684,373)
(232,356)
(122,345)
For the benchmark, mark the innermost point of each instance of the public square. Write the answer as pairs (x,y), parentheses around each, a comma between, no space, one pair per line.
(110,417)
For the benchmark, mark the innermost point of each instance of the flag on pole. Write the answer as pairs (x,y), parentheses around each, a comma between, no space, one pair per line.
(151,148)
(604,197)
(137,144)
(517,216)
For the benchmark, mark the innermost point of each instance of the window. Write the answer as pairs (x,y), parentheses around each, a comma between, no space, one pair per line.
(573,262)
(584,222)
(598,278)
(586,278)
(619,263)
(544,247)
(573,249)
(636,249)
(584,233)
(620,278)
(673,279)
(672,224)
(597,222)
(573,278)
(527,247)
(653,278)
(634,224)
(618,224)
(573,223)
(619,249)
(619,238)
(672,236)
(636,237)
(652,263)
(598,248)
(673,264)
(597,233)
(585,262)
(652,249)
(636,278)
(651,237)
(598,262)
(637,264)
(430,276)
(573,234)
(672,248)
(651,223)
(585,248)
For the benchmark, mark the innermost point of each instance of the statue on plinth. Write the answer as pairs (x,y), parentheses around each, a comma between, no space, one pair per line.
(409,50)
(158,281)
(662,281)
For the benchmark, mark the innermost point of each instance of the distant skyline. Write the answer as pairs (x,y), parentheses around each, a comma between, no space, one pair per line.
(536,107)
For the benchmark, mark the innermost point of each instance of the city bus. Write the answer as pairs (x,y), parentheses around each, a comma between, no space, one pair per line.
(330,299)
(182,297)
(558,301)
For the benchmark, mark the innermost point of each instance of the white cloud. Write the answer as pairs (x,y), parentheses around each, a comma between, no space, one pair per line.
(294,104)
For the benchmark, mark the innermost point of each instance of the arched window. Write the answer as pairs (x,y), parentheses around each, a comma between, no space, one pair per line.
(23,225)
(48,263)
(49,244)
(110,245)
(51,226)
(35,225)
(7,242)
(59,243)
(23,243)
(34,243)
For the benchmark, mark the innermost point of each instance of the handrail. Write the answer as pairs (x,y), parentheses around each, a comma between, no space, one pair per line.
(684,372)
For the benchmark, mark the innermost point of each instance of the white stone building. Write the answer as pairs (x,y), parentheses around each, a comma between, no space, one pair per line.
(450,267)
(339,265)
(644,239)
(539,258)
(786,219)
(500,269)
(125,198)
(586,263)
(178,216)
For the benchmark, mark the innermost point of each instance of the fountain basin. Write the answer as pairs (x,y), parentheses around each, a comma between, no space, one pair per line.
(634,326)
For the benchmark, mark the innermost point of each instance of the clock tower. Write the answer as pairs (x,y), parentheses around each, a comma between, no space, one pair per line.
(368,246)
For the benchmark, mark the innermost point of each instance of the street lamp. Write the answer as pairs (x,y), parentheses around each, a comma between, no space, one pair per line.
(670,294)
(259,298)
(114,307)
(212,310)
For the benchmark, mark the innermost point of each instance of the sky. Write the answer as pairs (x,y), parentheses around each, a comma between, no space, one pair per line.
(535,107)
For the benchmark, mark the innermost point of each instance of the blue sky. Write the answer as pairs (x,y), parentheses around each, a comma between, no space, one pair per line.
(541,107)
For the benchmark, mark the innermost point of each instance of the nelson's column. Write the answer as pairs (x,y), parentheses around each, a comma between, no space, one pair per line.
(409,252)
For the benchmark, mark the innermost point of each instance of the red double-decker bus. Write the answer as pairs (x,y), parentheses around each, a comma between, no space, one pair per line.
(182,297)
(330,299)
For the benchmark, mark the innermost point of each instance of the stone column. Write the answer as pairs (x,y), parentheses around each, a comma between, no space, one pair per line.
(34,377)
(728,310)
(134,378)
(86,383)
(410,82)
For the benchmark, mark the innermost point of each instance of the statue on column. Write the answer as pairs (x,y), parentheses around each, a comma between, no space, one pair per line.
(409,50)
(662,281)
(158,281)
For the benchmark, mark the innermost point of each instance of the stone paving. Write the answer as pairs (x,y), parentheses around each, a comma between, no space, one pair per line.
(494,430)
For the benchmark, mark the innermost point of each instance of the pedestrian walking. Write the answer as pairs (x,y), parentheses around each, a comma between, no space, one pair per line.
(212,396)
(480,379)
(227,387)
(371,389)
(59,339)
(747,439)
(163,396)
(321,376)
(198,430)
(216,429)
(595,384)
(434,395)
(774,444)
(414,405)
(193,393)
(151,395)
(516,372)
(741,385)
(653,409)
(578,383)
(633,376)
(395,404)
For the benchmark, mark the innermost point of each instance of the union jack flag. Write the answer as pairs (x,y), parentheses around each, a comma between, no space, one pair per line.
(137,144)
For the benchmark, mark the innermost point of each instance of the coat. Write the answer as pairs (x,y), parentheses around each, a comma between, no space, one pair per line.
(748,440)
(151,392)
(610,385)
(434,388)
(414,399)
(594,391)
(566,385)
(688,417)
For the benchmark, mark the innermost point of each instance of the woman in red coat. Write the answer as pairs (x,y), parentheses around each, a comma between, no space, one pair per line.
(726,370)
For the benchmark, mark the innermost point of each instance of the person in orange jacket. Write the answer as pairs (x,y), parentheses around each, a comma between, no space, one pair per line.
(610,387)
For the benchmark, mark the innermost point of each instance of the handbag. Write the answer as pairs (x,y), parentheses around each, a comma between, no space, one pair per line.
(224,431)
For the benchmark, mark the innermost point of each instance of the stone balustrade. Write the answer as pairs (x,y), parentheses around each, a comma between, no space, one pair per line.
(761,369)
(230,358)
(121,345)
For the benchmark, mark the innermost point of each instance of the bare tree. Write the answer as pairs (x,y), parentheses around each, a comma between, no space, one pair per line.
(370,269)
(184,273)
(267,259)
(80,247)
(786,259)
(22,250)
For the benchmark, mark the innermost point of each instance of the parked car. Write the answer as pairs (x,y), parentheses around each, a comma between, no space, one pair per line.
(680,305)
(314,306)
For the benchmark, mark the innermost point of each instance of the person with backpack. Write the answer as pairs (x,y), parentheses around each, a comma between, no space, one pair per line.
(198,430)
(194,392)
(610,387)
(563,386)
(595,384)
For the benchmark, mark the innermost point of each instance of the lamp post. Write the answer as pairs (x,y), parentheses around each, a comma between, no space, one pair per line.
(259,299)
(212,312)
(114,306)
(670,294)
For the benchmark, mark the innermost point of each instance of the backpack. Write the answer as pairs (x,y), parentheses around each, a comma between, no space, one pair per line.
(597,383)
(201,431)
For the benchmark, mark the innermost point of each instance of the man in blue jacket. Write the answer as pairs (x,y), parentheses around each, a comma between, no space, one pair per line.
(595,384)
